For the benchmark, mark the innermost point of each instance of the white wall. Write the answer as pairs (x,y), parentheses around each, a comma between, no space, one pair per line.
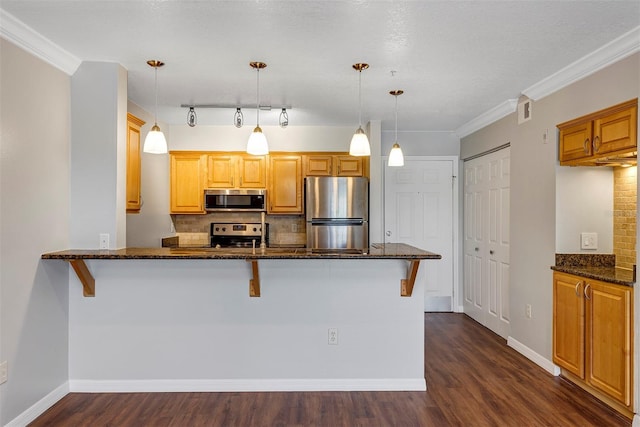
(147,228)
(533,189)
(584,203)
(422,143)
(34,219)
(98,155)
(193,324)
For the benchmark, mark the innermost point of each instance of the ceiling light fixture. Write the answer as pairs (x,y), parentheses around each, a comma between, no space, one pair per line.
(192,119)
(360,143)
(238,118)
(396,158)
(257,144)
(155,141)
(283,120)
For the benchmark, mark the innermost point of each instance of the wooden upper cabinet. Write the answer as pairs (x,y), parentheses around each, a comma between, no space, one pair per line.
(335,164)
(187,175)
(318,165)
(350,165)
(252,171)
(134,199)
(592,139)
(616,131)
(236,171)
(575,141)
(285,184)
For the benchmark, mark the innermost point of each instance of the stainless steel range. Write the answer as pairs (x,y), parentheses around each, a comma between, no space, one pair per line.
(237,235)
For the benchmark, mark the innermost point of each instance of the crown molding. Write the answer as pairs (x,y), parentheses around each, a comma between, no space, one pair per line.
(485,119)
(17,32)
(612,52)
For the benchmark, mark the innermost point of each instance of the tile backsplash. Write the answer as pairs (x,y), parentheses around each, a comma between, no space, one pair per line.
(624,216)
(283,229)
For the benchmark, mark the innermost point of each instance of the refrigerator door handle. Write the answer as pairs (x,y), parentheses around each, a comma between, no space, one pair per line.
(337,222)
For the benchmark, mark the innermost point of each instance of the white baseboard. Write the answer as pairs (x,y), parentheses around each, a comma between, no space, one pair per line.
(539,360)
(39,407)
(256,385)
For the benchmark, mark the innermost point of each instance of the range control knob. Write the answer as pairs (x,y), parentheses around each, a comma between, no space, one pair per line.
(255,229)
(217,228)
(224,228)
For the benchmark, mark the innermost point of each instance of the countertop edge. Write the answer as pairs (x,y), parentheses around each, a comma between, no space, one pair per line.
(598,274)
(388,251)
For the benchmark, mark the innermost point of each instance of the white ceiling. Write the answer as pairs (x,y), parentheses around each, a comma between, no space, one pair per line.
(454,59)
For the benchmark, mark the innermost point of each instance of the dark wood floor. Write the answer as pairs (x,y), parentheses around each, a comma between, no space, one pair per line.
(473,379)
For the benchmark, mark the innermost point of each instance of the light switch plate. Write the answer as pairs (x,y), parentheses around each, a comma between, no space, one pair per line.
(589,241)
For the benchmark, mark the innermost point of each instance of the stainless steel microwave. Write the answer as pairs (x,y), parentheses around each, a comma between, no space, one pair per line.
(231,200)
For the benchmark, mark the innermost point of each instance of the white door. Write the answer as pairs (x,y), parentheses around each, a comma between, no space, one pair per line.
(419,211)
(486,240)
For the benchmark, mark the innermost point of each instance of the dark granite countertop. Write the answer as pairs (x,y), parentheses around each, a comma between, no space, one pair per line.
(376,251)
(594,266)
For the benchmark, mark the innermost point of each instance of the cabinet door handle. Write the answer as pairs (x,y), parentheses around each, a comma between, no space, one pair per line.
(232,181)
(240,181)
(596,144)
(586,146)
(577,286)
(586,294)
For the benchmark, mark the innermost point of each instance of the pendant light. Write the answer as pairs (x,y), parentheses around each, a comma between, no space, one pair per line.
(155,142)
(395,156)
(360,143)
(257,144)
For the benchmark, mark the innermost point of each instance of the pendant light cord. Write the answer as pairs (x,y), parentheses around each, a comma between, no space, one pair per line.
(155,118)
(360,98)
(396,141)
(258,100)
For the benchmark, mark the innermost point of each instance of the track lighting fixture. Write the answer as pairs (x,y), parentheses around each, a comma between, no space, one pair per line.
(238,118)
(192,119)
(283,120)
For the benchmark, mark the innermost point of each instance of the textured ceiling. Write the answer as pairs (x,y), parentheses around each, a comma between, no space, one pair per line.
(454,59)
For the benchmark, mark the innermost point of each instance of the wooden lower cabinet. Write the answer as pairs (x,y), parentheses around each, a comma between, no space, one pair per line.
(285,185)
(188,172)
(593,337)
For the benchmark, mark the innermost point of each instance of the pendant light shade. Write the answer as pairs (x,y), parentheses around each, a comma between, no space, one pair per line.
(360,143)
(257,144)
(396,158)
(155,142)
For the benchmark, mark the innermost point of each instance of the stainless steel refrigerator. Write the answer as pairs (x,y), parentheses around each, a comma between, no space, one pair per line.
(337,213)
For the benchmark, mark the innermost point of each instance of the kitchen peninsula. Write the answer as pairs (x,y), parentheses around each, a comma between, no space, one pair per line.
(180,319)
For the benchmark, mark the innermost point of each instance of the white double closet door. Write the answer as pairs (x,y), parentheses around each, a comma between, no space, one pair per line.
(420,211)
(486,240)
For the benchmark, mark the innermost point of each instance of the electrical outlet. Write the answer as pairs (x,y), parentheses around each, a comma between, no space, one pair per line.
(3,372)
(545,136)
(172,228)
(527,311)
(333,336)
(104,241)
(294,227)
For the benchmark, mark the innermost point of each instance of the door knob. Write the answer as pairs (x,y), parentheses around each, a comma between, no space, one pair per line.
(491,252)
(388,233)
(477,249)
